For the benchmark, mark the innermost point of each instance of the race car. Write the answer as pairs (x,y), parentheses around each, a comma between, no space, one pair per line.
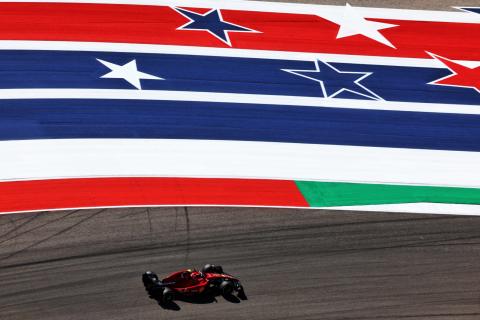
(211,280)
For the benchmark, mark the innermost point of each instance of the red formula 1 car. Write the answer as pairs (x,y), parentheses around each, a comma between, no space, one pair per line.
(211,280)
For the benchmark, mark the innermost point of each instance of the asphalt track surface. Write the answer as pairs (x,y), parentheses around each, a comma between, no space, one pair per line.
(295,264)
(397,4)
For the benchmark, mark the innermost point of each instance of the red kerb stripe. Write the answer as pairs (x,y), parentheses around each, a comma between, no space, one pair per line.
(106,192)
(278,31)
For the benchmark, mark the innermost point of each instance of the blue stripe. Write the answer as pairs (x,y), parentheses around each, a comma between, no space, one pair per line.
(59,69)
(61,119)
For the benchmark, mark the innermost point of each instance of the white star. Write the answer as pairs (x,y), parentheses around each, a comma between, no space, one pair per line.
(128,72)
(352,23)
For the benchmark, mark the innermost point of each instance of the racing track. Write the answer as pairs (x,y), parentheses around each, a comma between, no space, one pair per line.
(399,4)
(295,264)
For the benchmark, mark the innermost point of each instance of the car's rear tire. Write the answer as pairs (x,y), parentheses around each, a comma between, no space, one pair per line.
(226,287)
(211,268)
(167,296)
(149,279)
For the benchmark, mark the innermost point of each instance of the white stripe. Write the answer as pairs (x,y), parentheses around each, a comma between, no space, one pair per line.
(426,208)
(422,208)
(235,98)
(321,10)
(224,52)
(45,159)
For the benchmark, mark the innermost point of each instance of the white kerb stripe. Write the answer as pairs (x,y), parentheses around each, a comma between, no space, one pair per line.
(225,52)
(422,208)
(425,208)
(321,10)
(46,159)
(165,95)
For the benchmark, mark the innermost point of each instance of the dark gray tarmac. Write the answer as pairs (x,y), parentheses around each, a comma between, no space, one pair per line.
(396,4)
(295,264)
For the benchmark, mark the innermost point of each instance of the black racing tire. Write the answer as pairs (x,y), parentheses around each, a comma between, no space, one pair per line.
(155,291)
(211,268)
(149,279)
(226,287)
(167,295)
(208,268)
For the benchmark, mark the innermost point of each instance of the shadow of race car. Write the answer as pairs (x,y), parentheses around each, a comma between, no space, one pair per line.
(186,284)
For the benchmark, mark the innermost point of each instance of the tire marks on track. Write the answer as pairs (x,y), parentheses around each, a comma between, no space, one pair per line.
(295,264)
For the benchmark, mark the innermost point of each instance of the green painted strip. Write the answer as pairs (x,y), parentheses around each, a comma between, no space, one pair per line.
(329,194)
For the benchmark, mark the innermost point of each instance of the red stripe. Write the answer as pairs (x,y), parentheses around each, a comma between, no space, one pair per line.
(279,31)
(107,192)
